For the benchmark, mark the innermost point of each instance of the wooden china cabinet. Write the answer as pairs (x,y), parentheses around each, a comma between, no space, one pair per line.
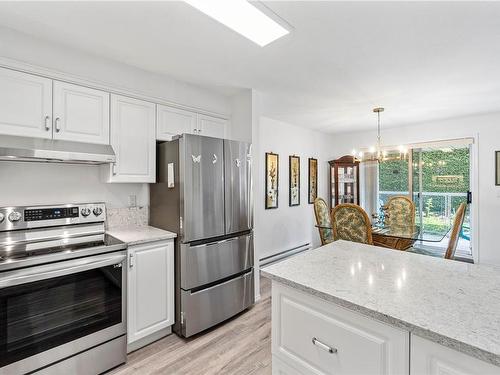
(344,181)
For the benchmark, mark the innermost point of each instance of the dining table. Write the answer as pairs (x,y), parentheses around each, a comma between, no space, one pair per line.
(402,237)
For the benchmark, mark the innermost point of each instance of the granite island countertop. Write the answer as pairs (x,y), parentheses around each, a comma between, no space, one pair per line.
(134,235)
(452,303)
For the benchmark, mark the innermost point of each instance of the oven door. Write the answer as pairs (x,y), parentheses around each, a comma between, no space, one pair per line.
(50,312)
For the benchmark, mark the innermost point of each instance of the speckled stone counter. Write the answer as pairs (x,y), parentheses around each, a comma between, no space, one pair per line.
(135,235)
(452,303)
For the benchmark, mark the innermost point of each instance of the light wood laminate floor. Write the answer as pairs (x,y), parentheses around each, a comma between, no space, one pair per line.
(240,346)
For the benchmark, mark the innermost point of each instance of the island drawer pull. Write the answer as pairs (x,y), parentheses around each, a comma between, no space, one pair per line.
(323,346)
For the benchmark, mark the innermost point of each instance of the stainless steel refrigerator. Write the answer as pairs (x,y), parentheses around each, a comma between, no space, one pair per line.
(204,193)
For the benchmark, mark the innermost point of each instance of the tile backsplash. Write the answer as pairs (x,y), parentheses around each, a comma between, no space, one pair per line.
(128,216)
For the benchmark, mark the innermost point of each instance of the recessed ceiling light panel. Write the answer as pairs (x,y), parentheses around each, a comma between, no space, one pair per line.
(242,17)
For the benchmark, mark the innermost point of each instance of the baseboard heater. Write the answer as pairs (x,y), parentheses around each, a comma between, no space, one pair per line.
(283,254)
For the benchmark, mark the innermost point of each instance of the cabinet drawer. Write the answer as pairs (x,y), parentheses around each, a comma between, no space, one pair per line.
(319,337)
(429,358)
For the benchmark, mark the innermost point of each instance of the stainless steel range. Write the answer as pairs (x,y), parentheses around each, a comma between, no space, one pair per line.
(62,291)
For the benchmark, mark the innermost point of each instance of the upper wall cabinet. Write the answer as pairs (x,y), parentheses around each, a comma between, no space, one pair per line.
(211,126)
(25,104)
(173,121)
(133,139)
(80,113)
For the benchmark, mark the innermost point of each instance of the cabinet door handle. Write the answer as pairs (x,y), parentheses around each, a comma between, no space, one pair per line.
(47,125)
(56,124)
(323,346)
(113,169)
(131,260)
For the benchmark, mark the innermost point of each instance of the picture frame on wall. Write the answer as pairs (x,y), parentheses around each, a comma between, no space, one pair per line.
(272,180)
(497,168)
(313,180)
(294,181)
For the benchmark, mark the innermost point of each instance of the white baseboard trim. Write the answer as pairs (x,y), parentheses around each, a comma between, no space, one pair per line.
(284,254)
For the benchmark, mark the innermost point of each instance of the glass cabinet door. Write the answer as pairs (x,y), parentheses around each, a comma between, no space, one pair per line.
(344,182)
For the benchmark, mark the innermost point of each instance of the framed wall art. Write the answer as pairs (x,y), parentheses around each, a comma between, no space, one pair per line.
(313,180)
(294,180)
(272,175)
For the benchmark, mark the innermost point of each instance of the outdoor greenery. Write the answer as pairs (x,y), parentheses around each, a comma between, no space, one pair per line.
(442,172)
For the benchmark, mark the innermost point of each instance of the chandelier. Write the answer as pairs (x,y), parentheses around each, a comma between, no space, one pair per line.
(378,152)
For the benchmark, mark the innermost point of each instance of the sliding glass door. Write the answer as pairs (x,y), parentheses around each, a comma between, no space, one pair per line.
(440,182)
(437,176)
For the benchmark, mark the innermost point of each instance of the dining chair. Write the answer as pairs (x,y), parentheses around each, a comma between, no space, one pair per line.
(351,223)
(399,210)
(455,231)
(323,219)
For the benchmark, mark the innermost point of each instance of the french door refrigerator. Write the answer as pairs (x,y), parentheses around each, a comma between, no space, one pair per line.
(204,193)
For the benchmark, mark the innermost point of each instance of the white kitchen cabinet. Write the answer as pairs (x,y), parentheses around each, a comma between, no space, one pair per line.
(174,121)
(312,336)
(133,140)
(80,114)
(211,126)
(25,104)
(150,289)
(429,358)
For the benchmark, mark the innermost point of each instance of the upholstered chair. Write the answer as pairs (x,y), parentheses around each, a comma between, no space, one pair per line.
(455,231)
(323,219)
(399,210)
(351,223)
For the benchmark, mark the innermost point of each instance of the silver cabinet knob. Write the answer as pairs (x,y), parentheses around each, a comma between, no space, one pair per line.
(14,216)
(97,211)
(85,211)
(2,217)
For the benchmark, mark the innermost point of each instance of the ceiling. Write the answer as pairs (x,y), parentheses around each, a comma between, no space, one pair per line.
(420,60)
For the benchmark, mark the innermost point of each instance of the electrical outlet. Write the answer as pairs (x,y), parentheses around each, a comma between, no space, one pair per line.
(132,200)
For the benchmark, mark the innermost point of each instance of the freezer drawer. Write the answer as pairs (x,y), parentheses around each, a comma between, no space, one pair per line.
(207,263)
(208,307)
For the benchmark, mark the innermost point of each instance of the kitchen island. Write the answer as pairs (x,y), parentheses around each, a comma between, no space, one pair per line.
(358,309)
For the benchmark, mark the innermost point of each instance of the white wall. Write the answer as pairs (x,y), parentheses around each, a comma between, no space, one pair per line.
(288,227)
(486,131)
(22,183)
(44,183)
(241,116)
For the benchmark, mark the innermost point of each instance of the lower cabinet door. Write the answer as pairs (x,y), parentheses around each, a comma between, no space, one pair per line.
(281,368)
(429,358)
(150,289)
(313,336)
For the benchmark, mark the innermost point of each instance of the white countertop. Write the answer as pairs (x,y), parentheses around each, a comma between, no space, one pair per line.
(134,235)
(452,303)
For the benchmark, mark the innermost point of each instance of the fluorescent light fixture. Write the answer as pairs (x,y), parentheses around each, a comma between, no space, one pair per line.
(242,17)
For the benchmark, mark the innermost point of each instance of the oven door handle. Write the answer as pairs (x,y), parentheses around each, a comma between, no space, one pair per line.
(28,275)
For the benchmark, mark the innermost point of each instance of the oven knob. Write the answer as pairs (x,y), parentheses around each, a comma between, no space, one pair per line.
(97,211)
(85,211)
(2,217)
(14,216)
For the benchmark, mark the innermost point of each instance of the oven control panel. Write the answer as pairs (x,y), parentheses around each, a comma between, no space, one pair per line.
(25,217)
(50,213)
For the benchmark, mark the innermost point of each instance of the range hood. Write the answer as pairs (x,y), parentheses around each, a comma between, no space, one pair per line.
(15,148)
